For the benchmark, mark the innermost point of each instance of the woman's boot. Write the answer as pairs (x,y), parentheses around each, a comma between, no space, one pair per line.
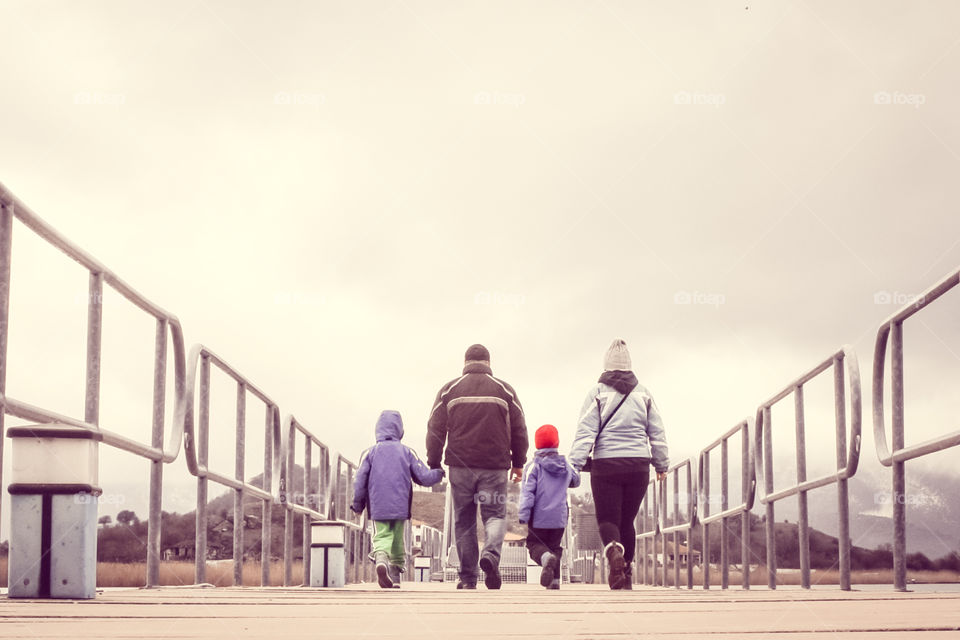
(615,564)
(627,577)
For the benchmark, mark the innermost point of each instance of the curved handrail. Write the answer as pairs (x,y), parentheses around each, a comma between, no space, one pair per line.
(746,504)
(692,503)
(887,458)
(189,435)
(170,449)
(852,369)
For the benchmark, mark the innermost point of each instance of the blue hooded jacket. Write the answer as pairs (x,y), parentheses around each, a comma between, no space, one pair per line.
(543,501)
(383,482)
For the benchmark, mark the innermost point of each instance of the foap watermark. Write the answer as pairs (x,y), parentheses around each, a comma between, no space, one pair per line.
(899,98)
(299,299)
(699,298)
(920,499)
(498,298)
(697,98)
(99,98)
(299,99)
(103,498)
(897,298)
(500,98)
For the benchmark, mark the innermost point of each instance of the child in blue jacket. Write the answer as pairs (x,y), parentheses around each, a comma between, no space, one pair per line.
(543,504)
(383,485)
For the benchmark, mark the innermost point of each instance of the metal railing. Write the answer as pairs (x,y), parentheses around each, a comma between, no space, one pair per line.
(680,523)
(840,362)
(197,450)
(897,456)
(747,492)
(160,450)
(647,526)
(311,501)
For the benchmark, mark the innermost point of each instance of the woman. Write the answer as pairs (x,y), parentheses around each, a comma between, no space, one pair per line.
(621,425)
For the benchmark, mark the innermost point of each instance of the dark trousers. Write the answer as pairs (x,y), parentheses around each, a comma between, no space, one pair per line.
(539,541)
(617,497)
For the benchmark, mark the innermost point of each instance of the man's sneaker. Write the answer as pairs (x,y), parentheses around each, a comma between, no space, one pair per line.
(466,585)
(491,572)
(615,564)
(383,569)
(549,563)
(395,575)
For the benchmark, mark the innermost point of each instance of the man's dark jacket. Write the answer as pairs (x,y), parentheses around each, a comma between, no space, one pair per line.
(480,419)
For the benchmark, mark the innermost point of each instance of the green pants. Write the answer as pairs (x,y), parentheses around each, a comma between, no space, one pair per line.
(388,538)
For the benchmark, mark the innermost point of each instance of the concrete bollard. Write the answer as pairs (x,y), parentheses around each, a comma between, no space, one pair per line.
(327,554)
(421,568)
(53,512)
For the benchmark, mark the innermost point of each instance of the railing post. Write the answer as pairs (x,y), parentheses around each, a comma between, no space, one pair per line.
(705,528)
(307,485)
(91,405)
(266,523)
(724,505)
(745,481)
(691,511)
(288,494)
(238,521)
(804,522)
(843,499)
(154,523)
(899,469)
(767,414)
(6,248)
(203,431)
(676,533)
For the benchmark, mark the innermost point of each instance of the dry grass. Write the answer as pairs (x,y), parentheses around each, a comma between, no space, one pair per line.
(758,577)
(220,574)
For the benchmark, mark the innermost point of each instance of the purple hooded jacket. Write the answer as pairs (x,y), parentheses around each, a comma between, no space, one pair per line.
(383,482)
(543,501)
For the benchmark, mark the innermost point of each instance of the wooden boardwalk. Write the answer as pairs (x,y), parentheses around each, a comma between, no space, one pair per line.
(438,611)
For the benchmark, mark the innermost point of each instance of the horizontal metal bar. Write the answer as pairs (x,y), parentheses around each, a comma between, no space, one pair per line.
(729,513)
(946,283)
(803,487)
(923,448)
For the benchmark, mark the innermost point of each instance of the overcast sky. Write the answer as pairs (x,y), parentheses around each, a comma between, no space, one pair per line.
(340,198)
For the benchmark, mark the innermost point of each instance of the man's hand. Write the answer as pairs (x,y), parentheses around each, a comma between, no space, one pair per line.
(516,474)
(661,476)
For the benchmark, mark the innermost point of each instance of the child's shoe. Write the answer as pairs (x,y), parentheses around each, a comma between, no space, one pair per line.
(550,564)
(382,561)
(555,584)
(616,564)
(395,575)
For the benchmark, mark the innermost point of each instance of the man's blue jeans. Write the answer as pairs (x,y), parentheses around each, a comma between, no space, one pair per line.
(470,488)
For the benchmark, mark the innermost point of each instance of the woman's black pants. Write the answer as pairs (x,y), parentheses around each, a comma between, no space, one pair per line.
(617,498)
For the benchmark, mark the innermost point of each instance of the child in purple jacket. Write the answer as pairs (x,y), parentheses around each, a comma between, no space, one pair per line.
(543,504)
(383,486)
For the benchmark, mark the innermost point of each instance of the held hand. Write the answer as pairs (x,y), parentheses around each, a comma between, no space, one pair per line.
(661,477)
(516,474)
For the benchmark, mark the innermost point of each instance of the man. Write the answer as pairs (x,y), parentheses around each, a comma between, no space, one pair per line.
(480,420)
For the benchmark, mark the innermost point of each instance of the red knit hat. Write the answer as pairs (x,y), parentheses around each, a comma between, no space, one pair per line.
(547,437)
